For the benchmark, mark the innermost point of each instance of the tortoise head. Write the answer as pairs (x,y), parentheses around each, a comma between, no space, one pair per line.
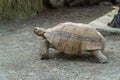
(39,31)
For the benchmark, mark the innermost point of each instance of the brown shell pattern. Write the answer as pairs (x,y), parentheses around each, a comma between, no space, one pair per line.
(73,39)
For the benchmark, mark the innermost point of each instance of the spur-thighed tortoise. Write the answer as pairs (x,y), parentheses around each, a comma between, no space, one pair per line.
(72,38)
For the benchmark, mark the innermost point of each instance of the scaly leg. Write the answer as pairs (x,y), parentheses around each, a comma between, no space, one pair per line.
(101,57)
(44,49)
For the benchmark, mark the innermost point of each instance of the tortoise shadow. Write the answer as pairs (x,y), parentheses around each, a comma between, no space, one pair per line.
(82,57)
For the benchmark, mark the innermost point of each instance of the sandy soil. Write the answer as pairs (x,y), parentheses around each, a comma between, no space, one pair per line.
(19,49)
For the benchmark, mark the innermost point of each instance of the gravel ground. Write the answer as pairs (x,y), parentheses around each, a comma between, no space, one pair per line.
(19,49)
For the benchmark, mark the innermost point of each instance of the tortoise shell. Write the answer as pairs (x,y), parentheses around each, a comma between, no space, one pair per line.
(72,38)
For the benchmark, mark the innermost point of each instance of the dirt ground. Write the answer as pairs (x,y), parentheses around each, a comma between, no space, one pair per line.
(20,57)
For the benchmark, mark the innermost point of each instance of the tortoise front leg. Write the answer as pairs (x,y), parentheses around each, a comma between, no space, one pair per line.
(100,56)
(44,49)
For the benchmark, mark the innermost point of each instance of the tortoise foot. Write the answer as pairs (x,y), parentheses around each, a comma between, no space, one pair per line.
(101,58)
(43,57)
(103,61)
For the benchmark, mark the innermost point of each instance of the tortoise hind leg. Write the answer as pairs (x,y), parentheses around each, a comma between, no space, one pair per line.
(100,56)
(44,50)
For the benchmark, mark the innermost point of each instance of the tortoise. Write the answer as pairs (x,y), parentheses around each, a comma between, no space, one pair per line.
(72,39)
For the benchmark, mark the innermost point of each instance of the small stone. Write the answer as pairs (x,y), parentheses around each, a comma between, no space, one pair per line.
(32,73)
(11,71)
